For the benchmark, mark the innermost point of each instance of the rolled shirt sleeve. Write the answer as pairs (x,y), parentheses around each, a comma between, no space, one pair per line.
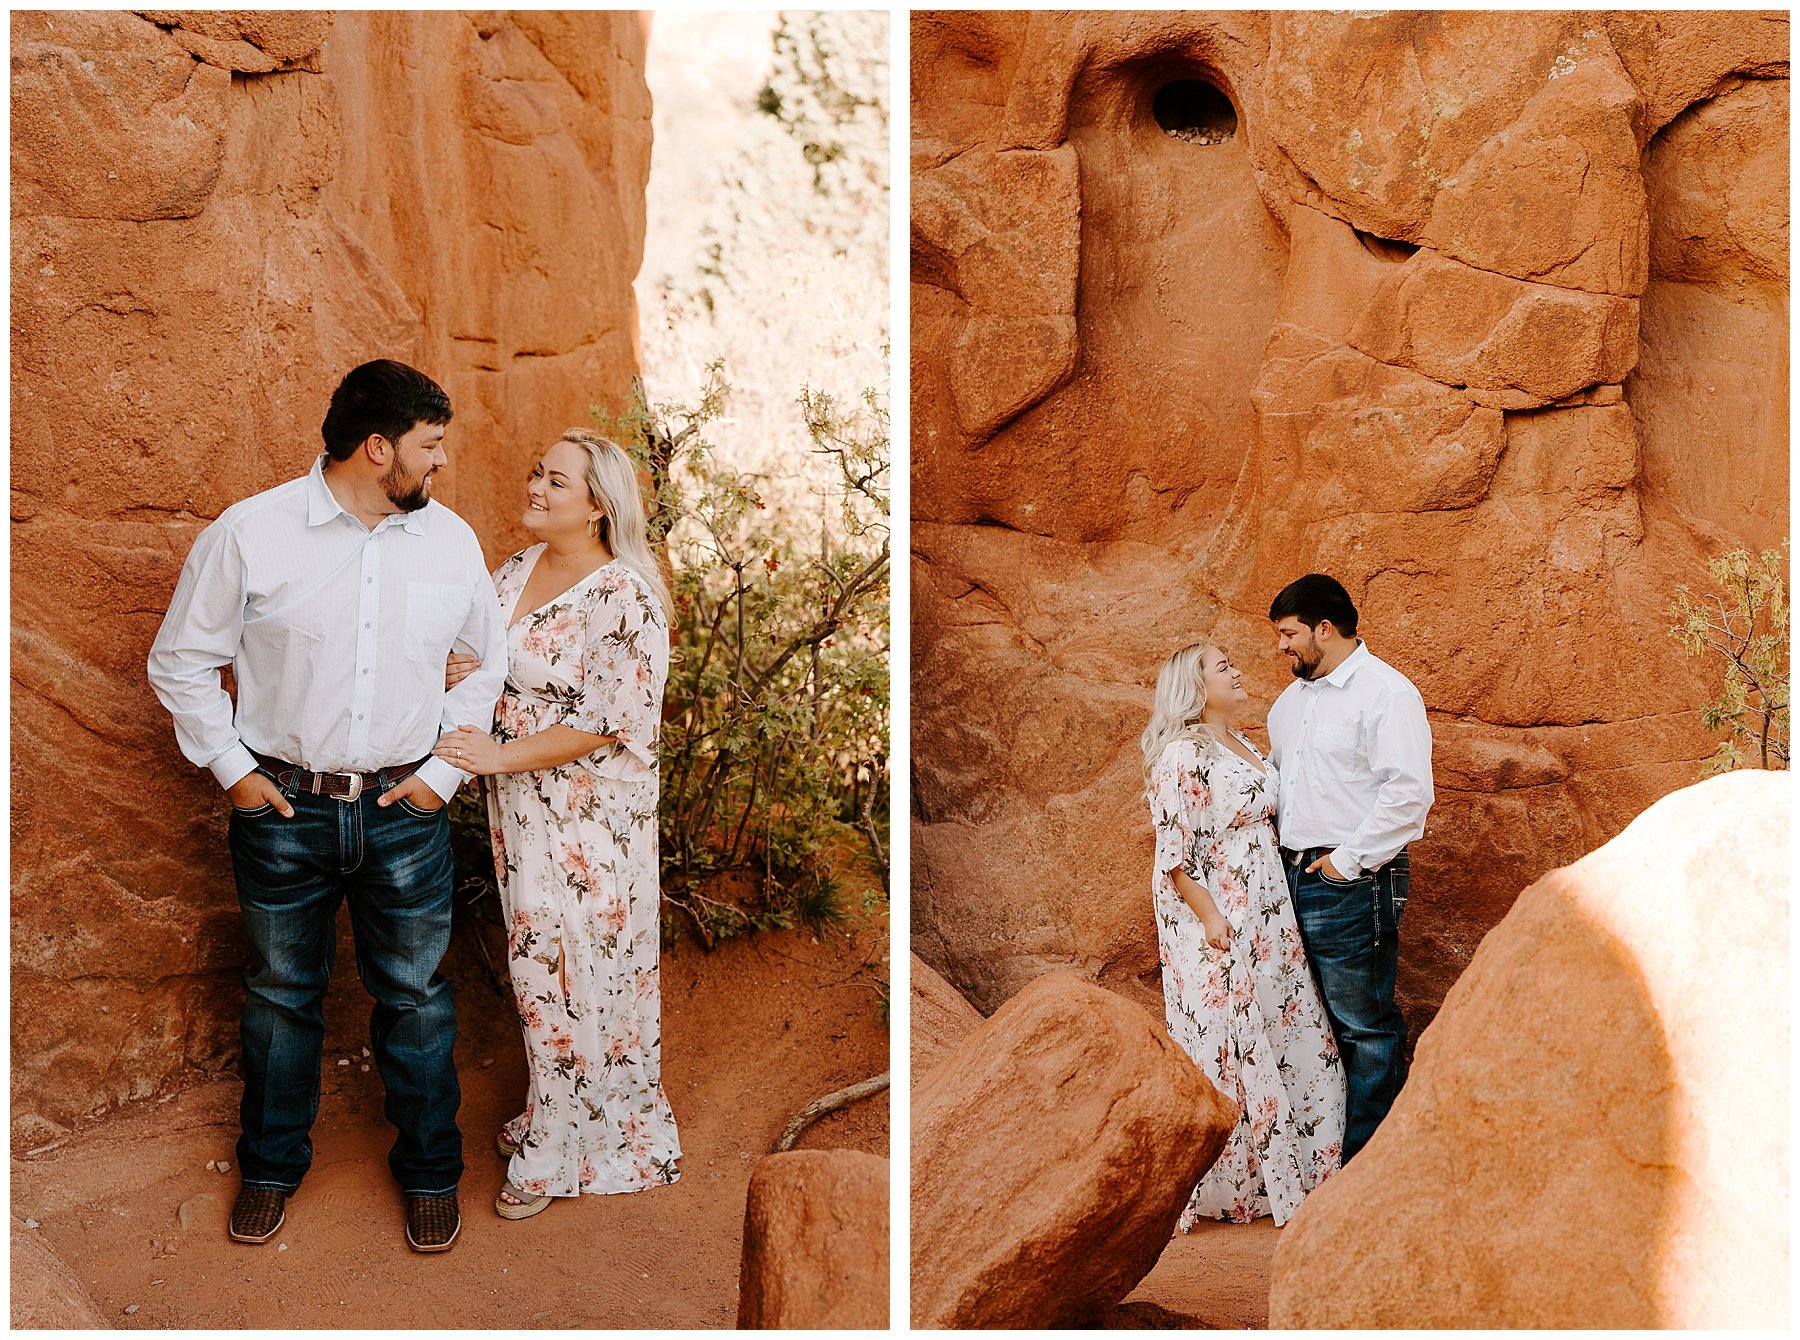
(1399,753)
(200,635)
(624,665)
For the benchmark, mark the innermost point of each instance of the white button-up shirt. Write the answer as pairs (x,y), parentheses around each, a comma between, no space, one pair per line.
(1353,753)
(335,633)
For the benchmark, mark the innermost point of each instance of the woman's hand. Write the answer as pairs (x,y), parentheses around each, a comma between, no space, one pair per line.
(1194,894)
(471,750)
(458,668)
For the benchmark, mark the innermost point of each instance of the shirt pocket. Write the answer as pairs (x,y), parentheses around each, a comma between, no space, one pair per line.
(1337,744)
(434,615)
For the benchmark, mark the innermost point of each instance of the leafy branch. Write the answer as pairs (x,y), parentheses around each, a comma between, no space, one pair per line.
(1744,623)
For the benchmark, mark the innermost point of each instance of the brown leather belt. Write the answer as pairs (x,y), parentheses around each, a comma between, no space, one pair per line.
(338,785)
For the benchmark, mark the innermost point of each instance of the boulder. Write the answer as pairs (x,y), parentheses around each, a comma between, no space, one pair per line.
(815,1253)
(1052,1153)
(1595,1130)
(941,1017)
(46,1294)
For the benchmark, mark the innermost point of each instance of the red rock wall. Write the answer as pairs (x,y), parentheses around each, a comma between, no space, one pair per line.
(1482,313)
(214,217)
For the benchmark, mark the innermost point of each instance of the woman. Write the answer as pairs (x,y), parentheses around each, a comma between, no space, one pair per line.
(572,813)
(1239,996)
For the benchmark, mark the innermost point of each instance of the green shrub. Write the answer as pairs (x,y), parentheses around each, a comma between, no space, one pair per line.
(775,718)
(774,753)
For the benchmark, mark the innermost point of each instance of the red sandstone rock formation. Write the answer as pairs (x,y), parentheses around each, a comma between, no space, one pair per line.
(815,1253)
(215,215)
(940,1018)
(1482,313)
(1595,1132)
(1051,1155)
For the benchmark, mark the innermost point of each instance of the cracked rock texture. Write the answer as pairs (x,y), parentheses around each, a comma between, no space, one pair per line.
(1595,1131)
(1485,314)
(215,215)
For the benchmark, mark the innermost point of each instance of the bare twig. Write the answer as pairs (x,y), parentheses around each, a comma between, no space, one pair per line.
(819,1107)
(875,847)
(707,939)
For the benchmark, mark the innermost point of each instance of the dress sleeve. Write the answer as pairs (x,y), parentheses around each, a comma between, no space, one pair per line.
(1187,827)
(624,664)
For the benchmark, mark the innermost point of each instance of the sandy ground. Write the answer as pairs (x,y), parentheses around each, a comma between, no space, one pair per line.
(1215,1278)
(751,1033)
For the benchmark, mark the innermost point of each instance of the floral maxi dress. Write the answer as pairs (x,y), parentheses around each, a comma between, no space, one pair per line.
(1249,1015)
(575,848)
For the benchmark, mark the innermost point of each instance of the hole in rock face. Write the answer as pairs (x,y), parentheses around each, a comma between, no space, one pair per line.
(1386,248)
(1194,111)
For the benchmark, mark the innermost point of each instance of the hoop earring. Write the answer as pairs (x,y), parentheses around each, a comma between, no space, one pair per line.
(597,527)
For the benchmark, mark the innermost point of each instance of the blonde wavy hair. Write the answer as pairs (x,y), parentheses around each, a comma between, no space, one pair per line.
(612,483)
(1180,699)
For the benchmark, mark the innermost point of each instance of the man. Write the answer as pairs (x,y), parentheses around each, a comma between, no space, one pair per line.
(335,599)
(1353,749)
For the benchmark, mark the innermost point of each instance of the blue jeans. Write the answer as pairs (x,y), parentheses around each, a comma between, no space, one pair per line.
(393,865)
(1352,934)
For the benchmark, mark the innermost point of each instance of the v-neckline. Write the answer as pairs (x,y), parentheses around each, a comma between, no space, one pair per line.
(1259,771)
(543,549)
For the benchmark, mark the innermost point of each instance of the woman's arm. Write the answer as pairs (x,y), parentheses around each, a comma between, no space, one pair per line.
(480,753)
(1182,810)
(1194,894)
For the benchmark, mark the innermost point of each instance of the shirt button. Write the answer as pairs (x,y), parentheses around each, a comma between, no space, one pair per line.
(359,716)
(368,625)
(365,669)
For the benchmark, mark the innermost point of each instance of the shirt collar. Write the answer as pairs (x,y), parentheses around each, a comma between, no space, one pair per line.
(322,505)
(1347,668)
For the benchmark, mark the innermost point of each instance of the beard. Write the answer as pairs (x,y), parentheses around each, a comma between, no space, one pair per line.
(407,492)
(1306,666)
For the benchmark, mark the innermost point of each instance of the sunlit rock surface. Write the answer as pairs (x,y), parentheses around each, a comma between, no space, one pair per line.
(1595,1130)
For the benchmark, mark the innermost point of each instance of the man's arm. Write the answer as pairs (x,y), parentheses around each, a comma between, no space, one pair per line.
(1400,756)
(199,634)
(471,702)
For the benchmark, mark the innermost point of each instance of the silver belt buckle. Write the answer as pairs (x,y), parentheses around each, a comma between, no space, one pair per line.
(356,785)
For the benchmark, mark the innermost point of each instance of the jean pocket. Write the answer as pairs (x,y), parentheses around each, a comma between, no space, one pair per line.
(1399,886)
(256,811)
(418,812)
(1358,881)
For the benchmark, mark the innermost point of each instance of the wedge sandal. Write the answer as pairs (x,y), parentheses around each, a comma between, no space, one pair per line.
(526,1204)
